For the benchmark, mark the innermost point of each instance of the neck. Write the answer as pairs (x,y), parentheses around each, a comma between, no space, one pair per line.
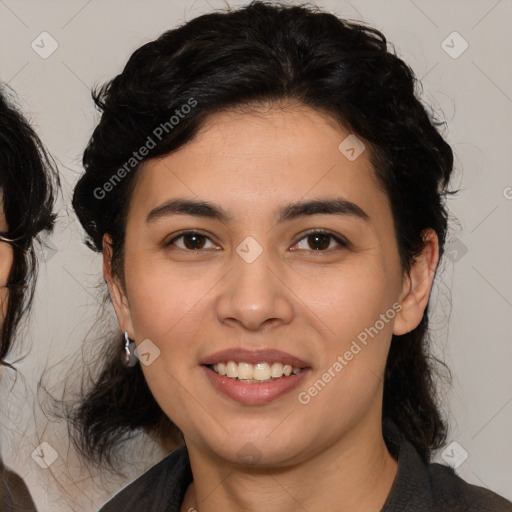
(354,474)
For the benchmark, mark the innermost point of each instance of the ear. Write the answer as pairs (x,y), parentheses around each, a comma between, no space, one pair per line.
(116,289)
(417,285)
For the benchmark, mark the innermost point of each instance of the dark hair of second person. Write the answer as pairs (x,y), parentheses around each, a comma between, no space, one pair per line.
(28,185)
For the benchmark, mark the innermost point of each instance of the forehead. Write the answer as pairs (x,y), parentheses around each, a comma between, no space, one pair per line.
(260,158)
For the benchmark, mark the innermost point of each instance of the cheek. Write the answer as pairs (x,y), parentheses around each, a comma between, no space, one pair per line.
(349,381)
(350,299)
(6,257)
(167,304)
(356,314)
(168,309)
(6,260)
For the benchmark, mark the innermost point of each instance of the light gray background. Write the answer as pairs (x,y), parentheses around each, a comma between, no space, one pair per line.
(474,94)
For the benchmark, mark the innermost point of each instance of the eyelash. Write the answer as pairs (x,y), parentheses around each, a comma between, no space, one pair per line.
(342,242)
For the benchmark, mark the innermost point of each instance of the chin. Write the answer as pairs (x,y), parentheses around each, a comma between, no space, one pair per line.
(279,449)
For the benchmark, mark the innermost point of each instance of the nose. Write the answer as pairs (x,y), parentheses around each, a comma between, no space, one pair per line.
(254,294)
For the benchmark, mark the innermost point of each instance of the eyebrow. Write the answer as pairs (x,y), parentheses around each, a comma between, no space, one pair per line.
(335,206)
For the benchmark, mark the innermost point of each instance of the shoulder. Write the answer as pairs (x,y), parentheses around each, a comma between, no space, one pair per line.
(160,489)
(14,495)
(453,493)
(433,487)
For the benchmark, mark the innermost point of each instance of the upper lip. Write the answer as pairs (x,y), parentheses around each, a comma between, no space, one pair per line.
(253,356)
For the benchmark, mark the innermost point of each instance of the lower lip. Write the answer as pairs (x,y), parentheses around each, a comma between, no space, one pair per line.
(256,393)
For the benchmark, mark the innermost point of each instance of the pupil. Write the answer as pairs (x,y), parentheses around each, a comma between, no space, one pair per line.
(318,239)
(196,241)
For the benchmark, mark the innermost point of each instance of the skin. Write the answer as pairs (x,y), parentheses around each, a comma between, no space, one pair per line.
(330,453)
(6,259)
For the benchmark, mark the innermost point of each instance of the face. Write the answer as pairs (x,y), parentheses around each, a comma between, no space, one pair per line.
(6,259)
(271,281)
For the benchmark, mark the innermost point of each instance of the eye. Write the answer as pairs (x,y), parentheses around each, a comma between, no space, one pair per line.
(320,240)
(190,240)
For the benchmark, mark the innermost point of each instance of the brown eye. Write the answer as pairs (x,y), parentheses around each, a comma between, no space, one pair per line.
(321,241)
(191,241)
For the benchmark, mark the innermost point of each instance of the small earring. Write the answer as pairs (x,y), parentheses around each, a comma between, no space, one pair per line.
(128,357)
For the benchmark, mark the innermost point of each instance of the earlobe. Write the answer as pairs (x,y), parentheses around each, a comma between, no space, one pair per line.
(417,285)
(115,287)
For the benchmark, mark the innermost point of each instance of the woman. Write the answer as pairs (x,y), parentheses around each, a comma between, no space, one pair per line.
(268,194)
(27,188)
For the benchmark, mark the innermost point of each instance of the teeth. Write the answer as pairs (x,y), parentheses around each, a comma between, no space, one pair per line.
(260,372)
(276,370)
(245,371)
(232,369)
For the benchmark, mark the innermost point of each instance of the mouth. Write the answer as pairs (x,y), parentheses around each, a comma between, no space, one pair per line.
(254,377)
